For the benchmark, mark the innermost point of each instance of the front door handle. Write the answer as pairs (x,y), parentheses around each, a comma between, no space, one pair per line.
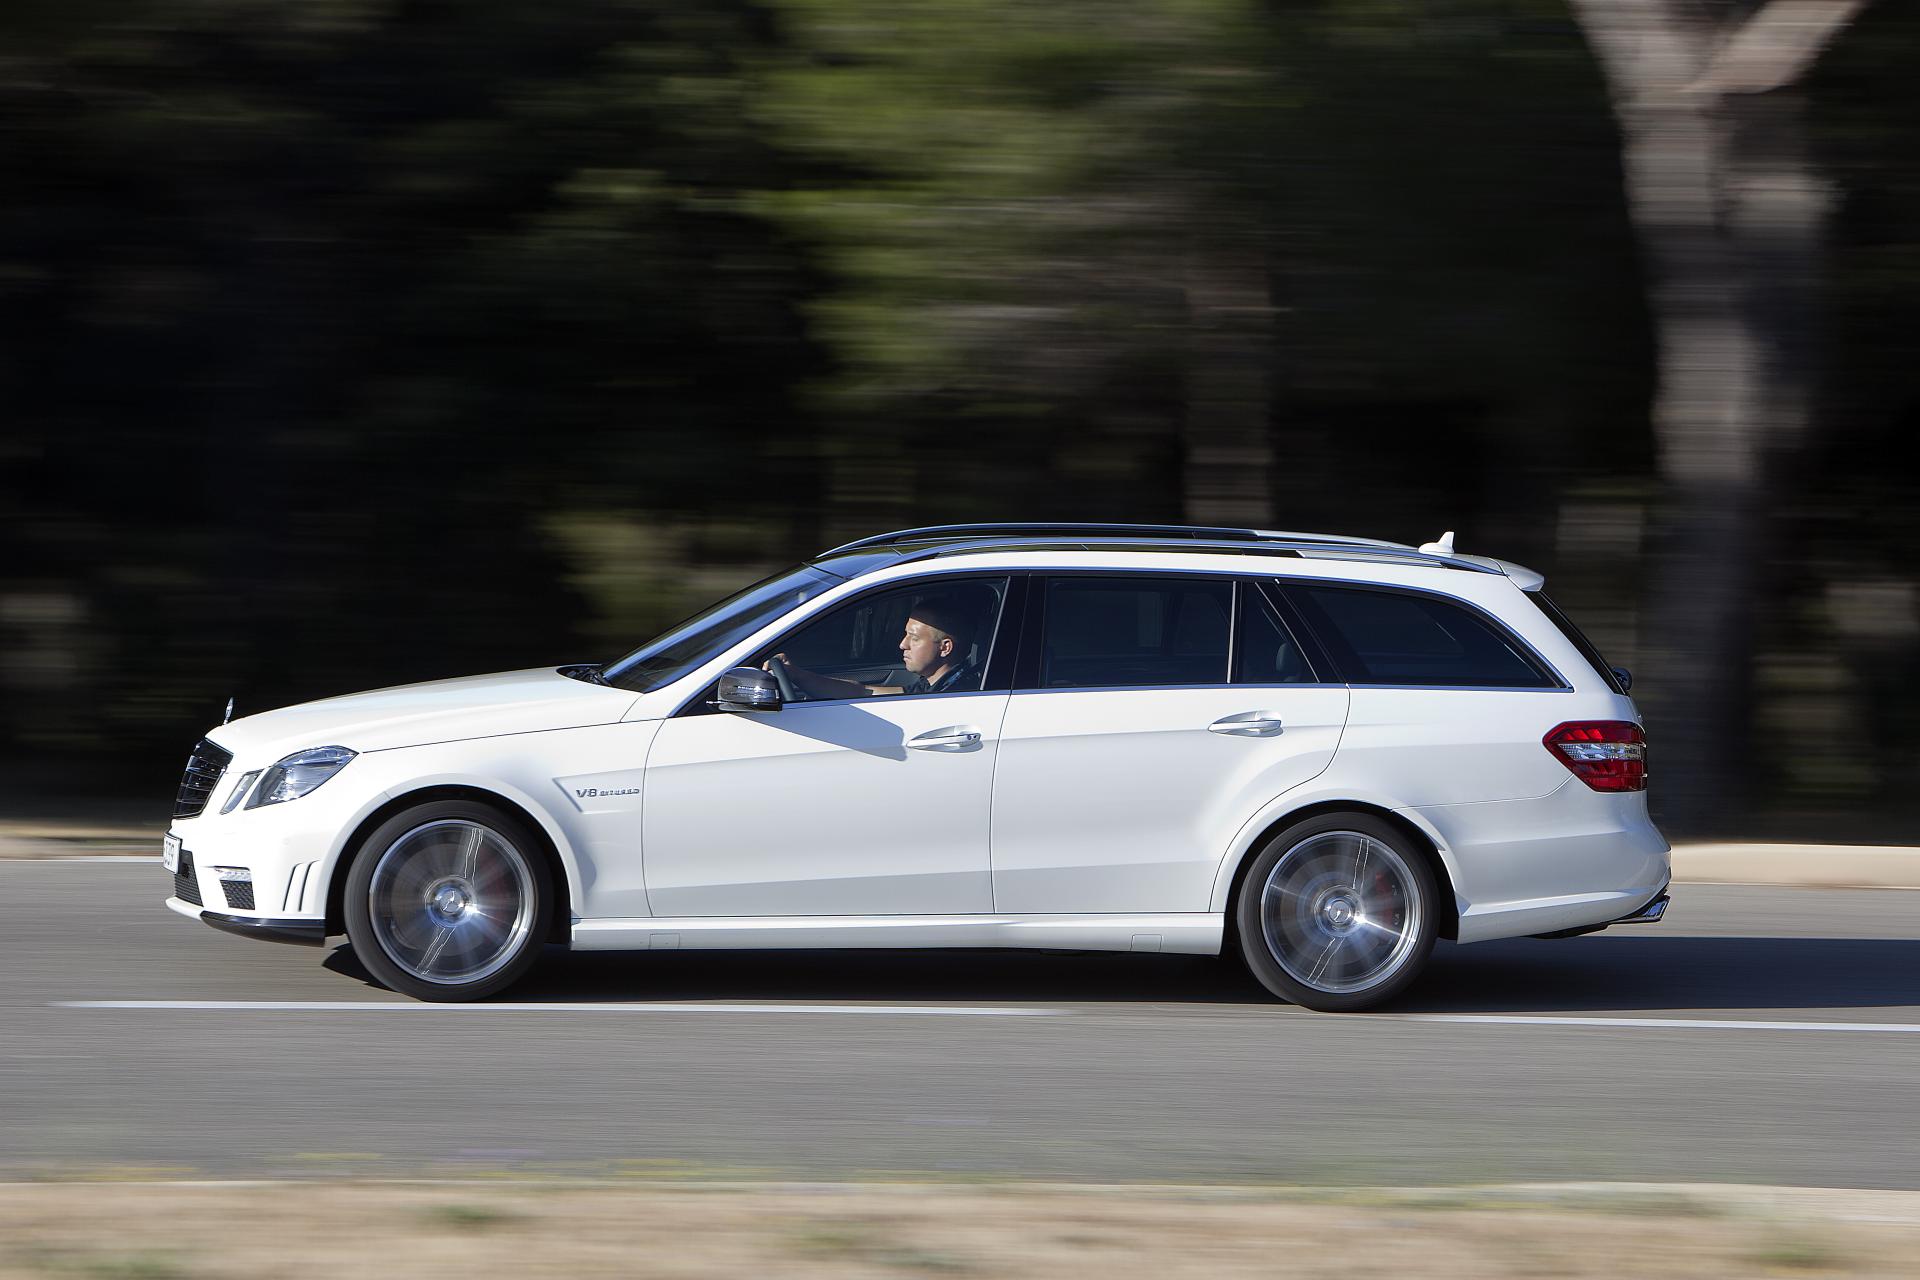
(1249,724)
(955,737)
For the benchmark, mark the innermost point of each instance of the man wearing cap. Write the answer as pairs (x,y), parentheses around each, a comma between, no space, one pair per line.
(935,648)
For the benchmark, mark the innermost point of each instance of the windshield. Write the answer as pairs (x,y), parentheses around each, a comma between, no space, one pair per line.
(663,660)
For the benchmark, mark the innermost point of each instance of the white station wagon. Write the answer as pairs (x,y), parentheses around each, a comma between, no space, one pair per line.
(1322,752)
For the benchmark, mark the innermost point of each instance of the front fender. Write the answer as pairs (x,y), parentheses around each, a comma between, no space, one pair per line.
(421,785)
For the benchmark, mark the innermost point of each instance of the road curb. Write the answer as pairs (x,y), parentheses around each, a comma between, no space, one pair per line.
(1885,1204)
(1824,866)
(49,841)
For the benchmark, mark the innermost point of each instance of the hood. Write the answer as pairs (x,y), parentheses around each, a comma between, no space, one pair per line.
(414,715)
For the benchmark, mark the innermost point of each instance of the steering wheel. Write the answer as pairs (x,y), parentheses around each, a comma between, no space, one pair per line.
(789,692)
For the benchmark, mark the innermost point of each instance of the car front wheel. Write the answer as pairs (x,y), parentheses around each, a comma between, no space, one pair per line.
(1337,913)
(449,901)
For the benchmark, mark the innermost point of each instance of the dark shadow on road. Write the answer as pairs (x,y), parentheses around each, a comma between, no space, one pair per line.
(1616,973)
(341,960)
(1574,975)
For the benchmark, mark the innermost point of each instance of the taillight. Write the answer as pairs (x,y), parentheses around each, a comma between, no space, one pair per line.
(1607,755)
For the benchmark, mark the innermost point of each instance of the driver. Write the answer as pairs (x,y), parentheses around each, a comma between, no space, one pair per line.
(936,647)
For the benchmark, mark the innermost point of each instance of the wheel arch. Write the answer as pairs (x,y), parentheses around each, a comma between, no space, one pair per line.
(565,882)
(1420,840)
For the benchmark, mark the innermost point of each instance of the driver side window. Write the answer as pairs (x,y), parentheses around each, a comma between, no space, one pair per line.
(933,636)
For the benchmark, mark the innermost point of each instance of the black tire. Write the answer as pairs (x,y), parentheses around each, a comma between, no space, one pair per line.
(449,901)
(1338,913)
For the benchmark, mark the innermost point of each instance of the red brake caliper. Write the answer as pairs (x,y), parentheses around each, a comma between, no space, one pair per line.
(1384,888)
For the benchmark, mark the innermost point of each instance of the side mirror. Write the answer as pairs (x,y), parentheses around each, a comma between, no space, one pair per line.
(1624,676)
(748,689)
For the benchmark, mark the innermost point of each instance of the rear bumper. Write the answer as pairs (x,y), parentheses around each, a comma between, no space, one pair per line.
(1652,913)
(1557,863)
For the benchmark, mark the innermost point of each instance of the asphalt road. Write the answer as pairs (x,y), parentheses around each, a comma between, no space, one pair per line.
(1121,1068)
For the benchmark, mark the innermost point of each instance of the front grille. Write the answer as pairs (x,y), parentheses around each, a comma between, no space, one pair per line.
(204,769)
(186,886)
(239,893)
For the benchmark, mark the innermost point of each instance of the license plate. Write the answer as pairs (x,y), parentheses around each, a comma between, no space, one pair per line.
(170,852)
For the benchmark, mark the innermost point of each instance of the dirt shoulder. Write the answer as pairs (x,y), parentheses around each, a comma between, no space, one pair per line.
(162,1231)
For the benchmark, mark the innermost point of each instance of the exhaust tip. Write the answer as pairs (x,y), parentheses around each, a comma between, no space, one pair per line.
(1649,914)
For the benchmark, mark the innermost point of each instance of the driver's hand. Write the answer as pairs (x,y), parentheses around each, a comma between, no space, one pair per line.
(768,664)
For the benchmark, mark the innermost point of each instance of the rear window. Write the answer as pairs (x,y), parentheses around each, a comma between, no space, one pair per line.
(1588,649)
(1392,637)
(1265,651)
(1119,632)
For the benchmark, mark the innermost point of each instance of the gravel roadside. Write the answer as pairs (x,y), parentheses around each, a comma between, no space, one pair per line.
(161,1231)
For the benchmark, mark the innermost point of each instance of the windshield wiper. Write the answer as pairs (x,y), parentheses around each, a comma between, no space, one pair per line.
(587,671)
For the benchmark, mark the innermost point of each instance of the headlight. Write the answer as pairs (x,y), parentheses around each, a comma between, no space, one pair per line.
(239,791)
(298,774)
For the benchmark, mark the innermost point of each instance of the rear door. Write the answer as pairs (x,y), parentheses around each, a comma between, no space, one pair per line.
(1152,716)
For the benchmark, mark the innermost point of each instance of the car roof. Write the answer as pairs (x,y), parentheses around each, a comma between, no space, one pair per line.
(868,555)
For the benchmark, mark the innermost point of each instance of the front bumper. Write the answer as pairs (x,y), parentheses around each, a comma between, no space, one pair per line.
(300,932)
(284,875)
(281,898)
(303,933)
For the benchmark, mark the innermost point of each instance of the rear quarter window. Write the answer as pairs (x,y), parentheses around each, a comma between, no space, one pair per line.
(1578,638)
(1401,638)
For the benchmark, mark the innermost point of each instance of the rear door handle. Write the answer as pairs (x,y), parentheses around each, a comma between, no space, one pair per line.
(1249,724)
(957,737)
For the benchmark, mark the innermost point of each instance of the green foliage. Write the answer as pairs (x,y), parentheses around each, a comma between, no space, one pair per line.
(313,315)
(354,341)
(1045,225)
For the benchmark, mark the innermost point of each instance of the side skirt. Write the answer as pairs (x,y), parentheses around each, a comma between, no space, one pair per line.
(1187,933)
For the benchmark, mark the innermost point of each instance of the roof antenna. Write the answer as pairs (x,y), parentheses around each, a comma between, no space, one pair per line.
(1444,547)
(229,712)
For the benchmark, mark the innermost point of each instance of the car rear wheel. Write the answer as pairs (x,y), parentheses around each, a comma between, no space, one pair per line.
(449,901)
(1337,913)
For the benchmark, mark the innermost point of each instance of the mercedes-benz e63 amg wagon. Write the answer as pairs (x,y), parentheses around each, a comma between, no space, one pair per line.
(1322,753)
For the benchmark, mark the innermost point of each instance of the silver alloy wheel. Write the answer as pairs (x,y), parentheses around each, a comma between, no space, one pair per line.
(451,901)
(1341,912)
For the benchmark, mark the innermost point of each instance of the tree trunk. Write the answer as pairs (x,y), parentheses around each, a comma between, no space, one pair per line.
(1730,214)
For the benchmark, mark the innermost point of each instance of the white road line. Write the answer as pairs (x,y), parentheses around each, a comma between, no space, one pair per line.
(928,1010)
(395,1006)
(1688,1024)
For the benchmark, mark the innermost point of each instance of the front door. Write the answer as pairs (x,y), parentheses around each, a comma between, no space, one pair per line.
(843,803)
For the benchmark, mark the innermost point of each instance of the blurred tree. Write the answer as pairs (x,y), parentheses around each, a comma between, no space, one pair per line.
(363,340)
(1730,211)
(317,317)
(1008,247)
(1842,676)
(1224,260)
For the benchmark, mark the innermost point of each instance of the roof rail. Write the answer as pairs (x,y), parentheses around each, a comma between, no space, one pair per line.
(1164,532)
(1306,547)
